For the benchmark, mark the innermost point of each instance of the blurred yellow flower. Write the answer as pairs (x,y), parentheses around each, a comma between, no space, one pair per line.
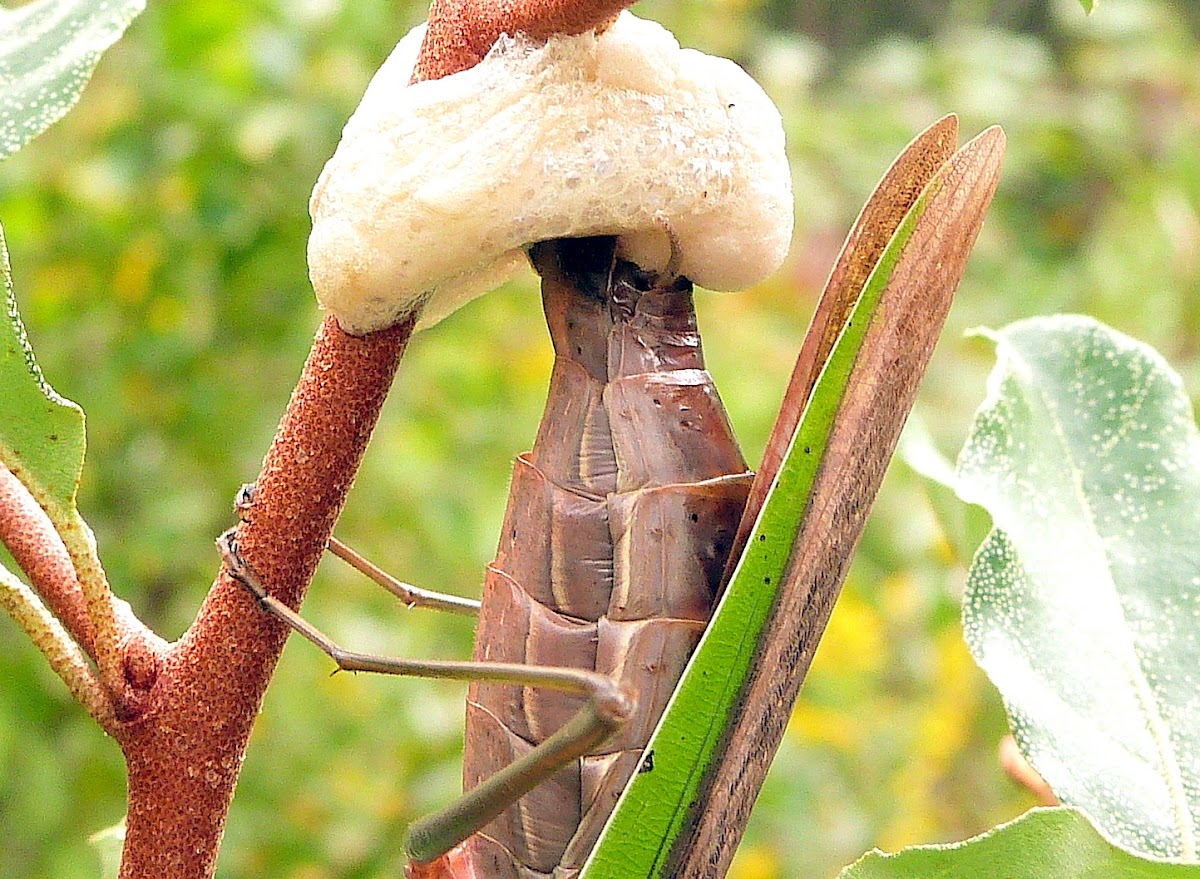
(816,724)
(854,639)
(136,267)
(753,862)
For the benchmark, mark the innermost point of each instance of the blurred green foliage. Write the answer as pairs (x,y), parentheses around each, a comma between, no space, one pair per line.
(157,238)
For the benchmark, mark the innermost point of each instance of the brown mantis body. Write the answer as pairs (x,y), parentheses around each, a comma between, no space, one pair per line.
(622,519)
(618,527)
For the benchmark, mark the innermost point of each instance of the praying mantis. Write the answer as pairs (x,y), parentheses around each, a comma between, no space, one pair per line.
(618,528)
(635,514)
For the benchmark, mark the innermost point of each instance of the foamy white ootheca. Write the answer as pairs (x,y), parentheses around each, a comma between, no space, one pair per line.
(437,187)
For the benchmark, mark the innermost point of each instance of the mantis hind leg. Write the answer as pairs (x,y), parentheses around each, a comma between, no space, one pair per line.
(412,596)
(606,707)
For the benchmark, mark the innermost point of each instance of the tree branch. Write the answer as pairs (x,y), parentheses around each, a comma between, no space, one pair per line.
(185,754)
(185,751)
(38,551)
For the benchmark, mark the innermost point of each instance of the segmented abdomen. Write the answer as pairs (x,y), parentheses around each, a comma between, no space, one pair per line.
(617,530)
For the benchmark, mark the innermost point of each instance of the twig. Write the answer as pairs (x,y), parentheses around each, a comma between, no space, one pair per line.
(38,551)
(133,651)
(1020,770)
(60,650)
(99,600)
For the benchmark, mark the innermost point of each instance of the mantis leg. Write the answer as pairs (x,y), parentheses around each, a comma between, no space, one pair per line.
(607,707)
(412,596)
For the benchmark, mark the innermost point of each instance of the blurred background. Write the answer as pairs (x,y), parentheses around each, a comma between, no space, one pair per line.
(157,237)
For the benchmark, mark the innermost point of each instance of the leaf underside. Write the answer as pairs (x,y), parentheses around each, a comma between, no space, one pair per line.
(1083,605)
(48,49)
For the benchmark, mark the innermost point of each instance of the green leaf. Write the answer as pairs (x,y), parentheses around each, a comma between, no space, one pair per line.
(1089,6)
(48,49)
(41,434)
(1042,844)
(1083,605)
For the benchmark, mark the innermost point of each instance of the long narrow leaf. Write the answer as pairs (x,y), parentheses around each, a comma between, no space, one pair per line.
(895,195)
(728,715)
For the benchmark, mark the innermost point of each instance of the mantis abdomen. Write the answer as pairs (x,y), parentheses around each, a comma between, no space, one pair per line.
(618,526)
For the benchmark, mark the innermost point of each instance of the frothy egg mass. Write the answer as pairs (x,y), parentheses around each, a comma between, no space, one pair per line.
(436,188)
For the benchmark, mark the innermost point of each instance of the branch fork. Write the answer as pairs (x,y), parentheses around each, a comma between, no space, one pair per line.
(182,712)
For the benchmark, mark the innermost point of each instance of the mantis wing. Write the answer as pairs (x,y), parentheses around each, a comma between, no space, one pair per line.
(867,351)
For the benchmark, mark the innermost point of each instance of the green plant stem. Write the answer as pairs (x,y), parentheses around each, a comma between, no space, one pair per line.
(63,654)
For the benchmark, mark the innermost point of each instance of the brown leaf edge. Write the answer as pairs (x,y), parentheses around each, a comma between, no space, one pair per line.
(883,383)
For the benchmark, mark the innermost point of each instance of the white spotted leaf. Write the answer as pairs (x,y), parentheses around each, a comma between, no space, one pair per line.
(48,49)
(1083,605)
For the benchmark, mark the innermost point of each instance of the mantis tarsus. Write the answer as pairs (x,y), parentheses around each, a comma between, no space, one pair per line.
(621,523)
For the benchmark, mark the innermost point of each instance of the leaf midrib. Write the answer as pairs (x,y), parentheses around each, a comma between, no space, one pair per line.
(1156,723)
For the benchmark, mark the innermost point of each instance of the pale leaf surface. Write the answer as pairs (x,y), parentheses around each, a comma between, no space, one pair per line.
(1083,605)
(48,50)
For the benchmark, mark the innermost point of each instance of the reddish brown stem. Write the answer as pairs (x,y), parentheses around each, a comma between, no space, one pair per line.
(184,754)
(185,750)
(1020,770)
(461,33)
(39,552)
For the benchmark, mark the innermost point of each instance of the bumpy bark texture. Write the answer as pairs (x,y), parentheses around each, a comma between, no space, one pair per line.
(185,751)
(184,748)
